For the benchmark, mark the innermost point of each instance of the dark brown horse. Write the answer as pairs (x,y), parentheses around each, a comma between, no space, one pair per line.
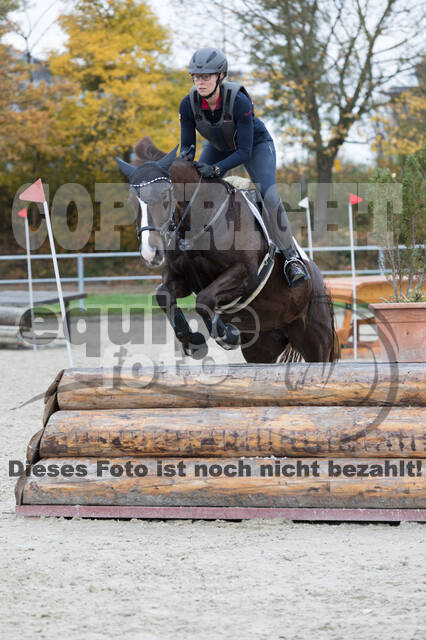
(212,246)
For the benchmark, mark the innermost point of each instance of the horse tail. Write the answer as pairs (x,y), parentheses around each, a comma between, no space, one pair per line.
(320,312)
(290,354)
(335,350)
(321,295)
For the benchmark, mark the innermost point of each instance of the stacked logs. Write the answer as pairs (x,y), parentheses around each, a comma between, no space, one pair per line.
(304,441)
(13,320)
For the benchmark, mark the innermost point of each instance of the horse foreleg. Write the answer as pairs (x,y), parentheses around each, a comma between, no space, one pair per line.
(232,283)
(193,343)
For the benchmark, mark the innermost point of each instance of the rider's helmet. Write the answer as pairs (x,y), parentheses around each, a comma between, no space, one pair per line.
(208,60)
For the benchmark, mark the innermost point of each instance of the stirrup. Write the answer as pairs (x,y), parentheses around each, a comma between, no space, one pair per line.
(298,281)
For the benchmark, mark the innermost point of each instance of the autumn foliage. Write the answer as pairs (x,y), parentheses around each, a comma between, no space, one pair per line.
(116,58)
(67,119)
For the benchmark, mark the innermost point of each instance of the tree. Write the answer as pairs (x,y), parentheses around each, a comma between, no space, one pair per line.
(31,142)
(325,62)
(402,232)
(66,118)
(401,124)
(23,26)
(116,57)
(6,7)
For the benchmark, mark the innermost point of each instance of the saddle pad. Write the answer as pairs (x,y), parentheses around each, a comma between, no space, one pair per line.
(238,182)
(250,197)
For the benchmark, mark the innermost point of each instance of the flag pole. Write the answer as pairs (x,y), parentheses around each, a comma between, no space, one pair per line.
(354,307)
(35,193)
(305,204)
(58,282)
(24,214)
(308,224)
(30,280)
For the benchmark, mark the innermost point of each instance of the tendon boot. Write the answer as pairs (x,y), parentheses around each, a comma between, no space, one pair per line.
(294,268)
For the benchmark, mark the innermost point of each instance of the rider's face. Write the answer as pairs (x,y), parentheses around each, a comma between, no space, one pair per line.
(205,82)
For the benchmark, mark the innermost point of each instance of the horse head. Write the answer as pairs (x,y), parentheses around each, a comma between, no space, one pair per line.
(151,197)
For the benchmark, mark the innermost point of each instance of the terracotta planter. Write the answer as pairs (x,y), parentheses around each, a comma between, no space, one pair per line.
(401,329)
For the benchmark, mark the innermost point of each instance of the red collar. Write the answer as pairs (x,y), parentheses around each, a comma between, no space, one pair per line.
(204,103)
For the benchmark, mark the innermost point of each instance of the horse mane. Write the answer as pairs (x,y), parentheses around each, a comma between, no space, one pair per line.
(146,150)
(183,170)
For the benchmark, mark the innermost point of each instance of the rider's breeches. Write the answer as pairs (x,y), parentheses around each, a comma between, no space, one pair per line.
(261,168)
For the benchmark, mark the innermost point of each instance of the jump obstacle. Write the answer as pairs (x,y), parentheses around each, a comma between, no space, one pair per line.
(342,441)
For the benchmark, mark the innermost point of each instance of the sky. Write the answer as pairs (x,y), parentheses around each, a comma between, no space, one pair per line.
(43,13)
(47,35)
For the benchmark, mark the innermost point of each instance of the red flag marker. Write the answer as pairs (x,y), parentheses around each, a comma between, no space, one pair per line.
(34,193)
(354,199)
(23,213)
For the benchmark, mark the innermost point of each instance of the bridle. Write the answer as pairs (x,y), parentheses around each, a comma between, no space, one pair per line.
(169,222)
(169,229)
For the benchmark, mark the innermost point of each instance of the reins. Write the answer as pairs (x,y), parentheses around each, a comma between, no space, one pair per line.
(188,206)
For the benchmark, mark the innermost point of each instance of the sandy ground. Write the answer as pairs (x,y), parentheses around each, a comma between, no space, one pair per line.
(137,579)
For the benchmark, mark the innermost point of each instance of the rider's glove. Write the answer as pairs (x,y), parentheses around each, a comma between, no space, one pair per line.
(208,170)
(188,154)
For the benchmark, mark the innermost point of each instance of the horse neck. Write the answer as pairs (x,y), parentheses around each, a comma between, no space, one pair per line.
(209,193)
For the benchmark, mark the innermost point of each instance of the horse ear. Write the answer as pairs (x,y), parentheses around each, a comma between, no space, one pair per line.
(166,162)
(146,150)
(125,168)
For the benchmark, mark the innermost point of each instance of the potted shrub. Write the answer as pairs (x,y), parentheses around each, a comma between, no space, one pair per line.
(400,232)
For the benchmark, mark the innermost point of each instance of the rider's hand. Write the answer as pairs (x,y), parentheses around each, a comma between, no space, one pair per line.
(188,154)
(208,170)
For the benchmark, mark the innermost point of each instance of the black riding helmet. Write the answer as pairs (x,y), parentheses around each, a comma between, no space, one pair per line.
(209,60)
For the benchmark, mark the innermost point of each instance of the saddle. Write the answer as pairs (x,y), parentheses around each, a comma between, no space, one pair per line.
(256,205)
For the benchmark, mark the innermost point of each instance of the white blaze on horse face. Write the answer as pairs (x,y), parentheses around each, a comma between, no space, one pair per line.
(147,252)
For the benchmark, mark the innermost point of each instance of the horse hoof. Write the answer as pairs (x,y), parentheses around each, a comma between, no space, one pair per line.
(231,338)
(197,347)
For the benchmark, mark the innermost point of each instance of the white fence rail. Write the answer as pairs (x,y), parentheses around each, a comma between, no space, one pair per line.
(81,278)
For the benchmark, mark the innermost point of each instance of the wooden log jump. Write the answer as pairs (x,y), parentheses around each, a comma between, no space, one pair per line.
(14,316)
(243,431)
(344,383)
(205,483)
(316,440)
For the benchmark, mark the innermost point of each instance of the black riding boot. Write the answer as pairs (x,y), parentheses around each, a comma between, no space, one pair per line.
(279,227)
(294,268)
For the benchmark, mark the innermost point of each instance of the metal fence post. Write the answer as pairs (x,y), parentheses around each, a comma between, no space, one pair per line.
(80,275)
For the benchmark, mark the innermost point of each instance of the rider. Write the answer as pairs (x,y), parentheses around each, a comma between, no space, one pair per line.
(222,112)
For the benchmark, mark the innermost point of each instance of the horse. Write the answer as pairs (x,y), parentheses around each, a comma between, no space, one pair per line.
(219,260)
